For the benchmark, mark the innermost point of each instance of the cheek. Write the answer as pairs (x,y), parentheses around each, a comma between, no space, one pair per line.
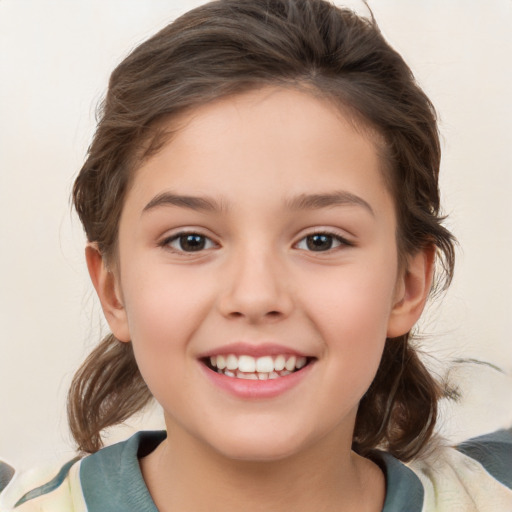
(351,311)
(355,300)
(163,310)
(161,323)
(161,299)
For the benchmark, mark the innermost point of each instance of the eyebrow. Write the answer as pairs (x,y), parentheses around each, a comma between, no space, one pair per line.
(207,204)
(318,201)
(300,202)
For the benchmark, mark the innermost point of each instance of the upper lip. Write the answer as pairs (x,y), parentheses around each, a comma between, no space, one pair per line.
(240,348)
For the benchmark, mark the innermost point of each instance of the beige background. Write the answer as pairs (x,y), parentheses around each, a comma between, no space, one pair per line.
(55,57)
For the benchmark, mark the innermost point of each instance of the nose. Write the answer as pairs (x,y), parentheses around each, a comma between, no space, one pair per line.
(257,288)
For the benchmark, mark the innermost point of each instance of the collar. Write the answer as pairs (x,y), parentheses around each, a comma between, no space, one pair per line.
(111,478)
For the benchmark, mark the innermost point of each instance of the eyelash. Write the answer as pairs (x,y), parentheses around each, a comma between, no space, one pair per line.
(208,243)
(179,237)
(341,241)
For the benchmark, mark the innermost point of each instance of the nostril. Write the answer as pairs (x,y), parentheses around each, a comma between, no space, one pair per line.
(270,314)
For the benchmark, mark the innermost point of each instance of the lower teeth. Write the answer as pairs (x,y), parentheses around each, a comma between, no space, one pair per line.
(254,376)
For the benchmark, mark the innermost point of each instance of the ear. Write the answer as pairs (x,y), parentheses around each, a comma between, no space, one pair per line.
(106,284)
(412,290)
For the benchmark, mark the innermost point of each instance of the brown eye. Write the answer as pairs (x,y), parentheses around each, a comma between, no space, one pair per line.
(321,242)
(192,242)
(189,242)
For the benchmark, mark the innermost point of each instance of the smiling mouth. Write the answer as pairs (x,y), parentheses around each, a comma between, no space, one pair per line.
(256,368)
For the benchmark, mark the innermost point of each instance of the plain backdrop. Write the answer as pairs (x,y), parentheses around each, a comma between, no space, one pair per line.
(55,59)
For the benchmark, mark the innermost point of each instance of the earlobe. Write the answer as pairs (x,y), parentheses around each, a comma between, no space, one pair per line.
(412,292)
(106,286)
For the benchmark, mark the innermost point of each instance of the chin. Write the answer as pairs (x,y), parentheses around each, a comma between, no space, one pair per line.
(260,446)
(258,454)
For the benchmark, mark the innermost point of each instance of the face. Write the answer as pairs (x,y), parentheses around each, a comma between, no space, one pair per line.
(257,274)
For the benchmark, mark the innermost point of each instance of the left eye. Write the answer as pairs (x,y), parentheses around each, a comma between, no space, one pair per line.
(321,242)
(189,242)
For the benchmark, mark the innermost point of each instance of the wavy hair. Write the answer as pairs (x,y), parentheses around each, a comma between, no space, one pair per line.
(228,47)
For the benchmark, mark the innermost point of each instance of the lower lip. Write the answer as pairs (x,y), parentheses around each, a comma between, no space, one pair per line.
(254,389)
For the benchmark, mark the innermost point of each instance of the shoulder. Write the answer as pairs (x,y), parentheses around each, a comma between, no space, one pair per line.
(55,488)
(474,476)
(494,452)
(106,481)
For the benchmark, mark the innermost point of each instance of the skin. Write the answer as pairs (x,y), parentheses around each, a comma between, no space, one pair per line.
(258,281)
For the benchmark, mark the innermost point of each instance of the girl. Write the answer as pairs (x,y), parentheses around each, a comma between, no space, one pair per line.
(262,212)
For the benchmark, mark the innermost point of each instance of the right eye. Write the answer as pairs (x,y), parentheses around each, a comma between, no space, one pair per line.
(188,242)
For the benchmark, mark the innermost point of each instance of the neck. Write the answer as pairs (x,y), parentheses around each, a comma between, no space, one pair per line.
(182,474)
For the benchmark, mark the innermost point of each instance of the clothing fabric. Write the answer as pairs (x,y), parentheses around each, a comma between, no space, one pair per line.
(473,477)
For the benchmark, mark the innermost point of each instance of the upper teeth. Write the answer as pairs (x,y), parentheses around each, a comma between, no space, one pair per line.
(265,364)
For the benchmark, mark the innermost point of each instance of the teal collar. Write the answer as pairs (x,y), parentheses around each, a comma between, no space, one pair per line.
(111,478)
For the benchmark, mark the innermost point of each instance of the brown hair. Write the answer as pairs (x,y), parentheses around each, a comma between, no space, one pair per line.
(227,47)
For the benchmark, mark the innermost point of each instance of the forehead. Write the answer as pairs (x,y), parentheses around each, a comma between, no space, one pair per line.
(305,113)
(256,142)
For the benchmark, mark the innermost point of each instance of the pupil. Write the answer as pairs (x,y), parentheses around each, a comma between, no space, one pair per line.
(192,242)
(319,242)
